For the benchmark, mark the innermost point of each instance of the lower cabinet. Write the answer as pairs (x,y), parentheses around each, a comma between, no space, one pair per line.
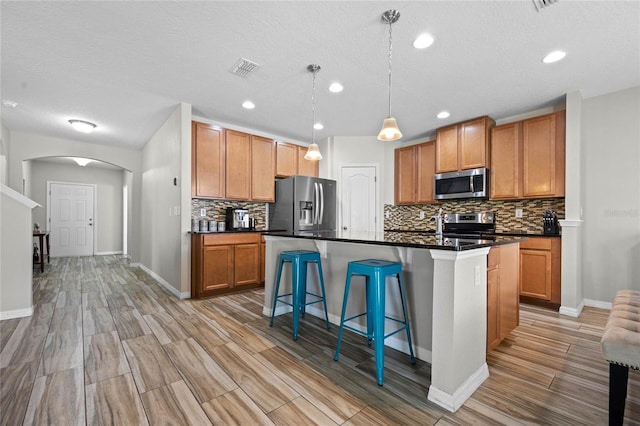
(503,310)
(540,270)
(224,263)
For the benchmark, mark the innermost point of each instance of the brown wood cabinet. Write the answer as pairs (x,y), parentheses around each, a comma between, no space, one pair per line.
(290,161)
(263,165)
(540,269)
(238,164)
(207,161)
(224,263)
(463,145)
(413,173)
(503,309)
(528,158)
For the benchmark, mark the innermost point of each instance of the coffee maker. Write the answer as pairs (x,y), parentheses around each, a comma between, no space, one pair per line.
(550,223)
(237,219)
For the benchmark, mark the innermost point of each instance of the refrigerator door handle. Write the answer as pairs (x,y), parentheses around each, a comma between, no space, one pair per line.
(321,216)
(315,203)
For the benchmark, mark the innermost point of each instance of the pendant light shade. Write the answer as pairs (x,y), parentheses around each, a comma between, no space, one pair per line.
(313,152)
(390,130)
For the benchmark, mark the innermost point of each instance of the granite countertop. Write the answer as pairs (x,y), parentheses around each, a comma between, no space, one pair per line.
(500,233)
(230,231)
(413,239)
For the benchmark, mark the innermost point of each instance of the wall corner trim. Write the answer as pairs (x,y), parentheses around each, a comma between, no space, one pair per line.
(17,313)
(163,282)
(572,312)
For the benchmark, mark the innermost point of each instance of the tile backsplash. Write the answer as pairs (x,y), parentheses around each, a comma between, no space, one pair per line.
(408,217)
(217,209)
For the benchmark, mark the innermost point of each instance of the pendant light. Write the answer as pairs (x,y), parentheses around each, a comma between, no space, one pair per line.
(390,130)
(313,152)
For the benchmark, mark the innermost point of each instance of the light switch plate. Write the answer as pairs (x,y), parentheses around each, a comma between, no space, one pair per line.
(203,212)
(519,213)
(421,215)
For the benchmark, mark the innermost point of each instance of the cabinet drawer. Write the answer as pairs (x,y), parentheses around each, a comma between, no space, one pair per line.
(535,243)
(231,238)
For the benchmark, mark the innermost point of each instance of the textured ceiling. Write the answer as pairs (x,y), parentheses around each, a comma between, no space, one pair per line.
(127,65)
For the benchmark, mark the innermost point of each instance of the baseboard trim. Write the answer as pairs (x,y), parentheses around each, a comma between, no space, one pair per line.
(16,313)
(163,282)
(572,312)
(455,400)
(597,304)
(108,253)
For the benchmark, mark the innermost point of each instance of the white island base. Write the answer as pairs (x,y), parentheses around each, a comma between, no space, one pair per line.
(446,296)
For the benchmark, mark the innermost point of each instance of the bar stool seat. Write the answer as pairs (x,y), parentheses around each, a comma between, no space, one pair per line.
(299,259)
(375,273)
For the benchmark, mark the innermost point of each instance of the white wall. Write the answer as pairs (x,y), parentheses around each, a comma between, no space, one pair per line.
(108,214)
(161,233)
(611,182)
(4,154)
(29,146)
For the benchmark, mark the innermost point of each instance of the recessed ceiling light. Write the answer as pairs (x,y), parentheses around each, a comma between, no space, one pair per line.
(9,104)
(423,41)
(554,56)
(336,87)
(248,105)
(443,114)
(82,126)
(318,126)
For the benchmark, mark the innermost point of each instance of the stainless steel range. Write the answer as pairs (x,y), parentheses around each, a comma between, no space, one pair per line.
(469,223)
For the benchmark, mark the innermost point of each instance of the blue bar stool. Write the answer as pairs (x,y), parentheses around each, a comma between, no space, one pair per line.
(375,273)
(299,260)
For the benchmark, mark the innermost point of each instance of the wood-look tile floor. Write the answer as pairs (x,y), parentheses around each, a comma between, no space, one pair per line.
(107,345)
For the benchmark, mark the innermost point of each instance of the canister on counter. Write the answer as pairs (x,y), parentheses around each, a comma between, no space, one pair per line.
(195,225)
(213,226)
(221,226)
(204,225)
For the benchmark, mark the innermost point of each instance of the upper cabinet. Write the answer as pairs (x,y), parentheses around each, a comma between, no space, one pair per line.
(290,161)
(463,146)
(207,161)
(231,165)
(414,168)
(528,158)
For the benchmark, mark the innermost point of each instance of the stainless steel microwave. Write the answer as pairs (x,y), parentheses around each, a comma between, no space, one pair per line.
(473,183)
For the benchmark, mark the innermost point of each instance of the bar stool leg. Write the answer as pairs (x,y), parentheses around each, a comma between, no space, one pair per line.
(347,284)
(324,296)
(406,318)
(370,308)
(378,292)
(275,296)
(295,290)
(303,289)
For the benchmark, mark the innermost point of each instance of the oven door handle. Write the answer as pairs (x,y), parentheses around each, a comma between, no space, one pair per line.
(471,184)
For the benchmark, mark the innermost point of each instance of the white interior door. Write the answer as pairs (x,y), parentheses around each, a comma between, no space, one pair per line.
(358,198)
(71,220)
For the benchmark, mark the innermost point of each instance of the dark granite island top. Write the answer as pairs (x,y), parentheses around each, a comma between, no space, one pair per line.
(424,240)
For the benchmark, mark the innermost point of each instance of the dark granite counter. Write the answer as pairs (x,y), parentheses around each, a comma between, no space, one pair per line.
(424,240)
(498,234)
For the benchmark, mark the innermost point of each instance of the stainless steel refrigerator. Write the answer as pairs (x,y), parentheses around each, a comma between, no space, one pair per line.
(304,203)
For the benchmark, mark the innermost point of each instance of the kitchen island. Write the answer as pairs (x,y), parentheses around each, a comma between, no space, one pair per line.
(446,280)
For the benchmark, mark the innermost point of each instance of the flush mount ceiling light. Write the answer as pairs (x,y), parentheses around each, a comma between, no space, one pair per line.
(423,41)
(313,152)
(248,105)
(82,126)
(318,126)
(390,130)
(82,161)
(554,56)
(443,114)
(9,104)
(336,87)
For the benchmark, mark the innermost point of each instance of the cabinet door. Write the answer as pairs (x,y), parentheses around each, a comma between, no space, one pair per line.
(286,159)
(217,267)
(535,273)
(473,144)
(509,298)
(208,161)
(405,175)
(505,161)
(493,308)
(306,167)
(447,149)
(426,164)
(263,162)
(247,264)
(539,156)
(238,185)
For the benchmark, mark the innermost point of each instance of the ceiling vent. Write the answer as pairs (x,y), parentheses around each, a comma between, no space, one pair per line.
(244,67)
(541,4)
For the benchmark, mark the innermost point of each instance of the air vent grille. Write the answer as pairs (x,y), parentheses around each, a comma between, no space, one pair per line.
(541,4)
(244,67)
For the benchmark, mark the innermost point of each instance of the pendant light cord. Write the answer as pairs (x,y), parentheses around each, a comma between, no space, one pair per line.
(313,108)
(390,46)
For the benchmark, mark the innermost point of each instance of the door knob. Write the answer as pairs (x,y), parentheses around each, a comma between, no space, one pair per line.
(344,228)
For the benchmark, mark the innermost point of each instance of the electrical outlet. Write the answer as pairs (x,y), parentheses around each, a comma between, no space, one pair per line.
(421,215)
(519,213)
(386,215)
(203,212)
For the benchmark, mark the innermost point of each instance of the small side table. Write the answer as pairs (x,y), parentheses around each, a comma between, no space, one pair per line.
(41,237)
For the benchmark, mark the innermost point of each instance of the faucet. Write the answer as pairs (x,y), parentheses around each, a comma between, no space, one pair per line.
(438,219)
